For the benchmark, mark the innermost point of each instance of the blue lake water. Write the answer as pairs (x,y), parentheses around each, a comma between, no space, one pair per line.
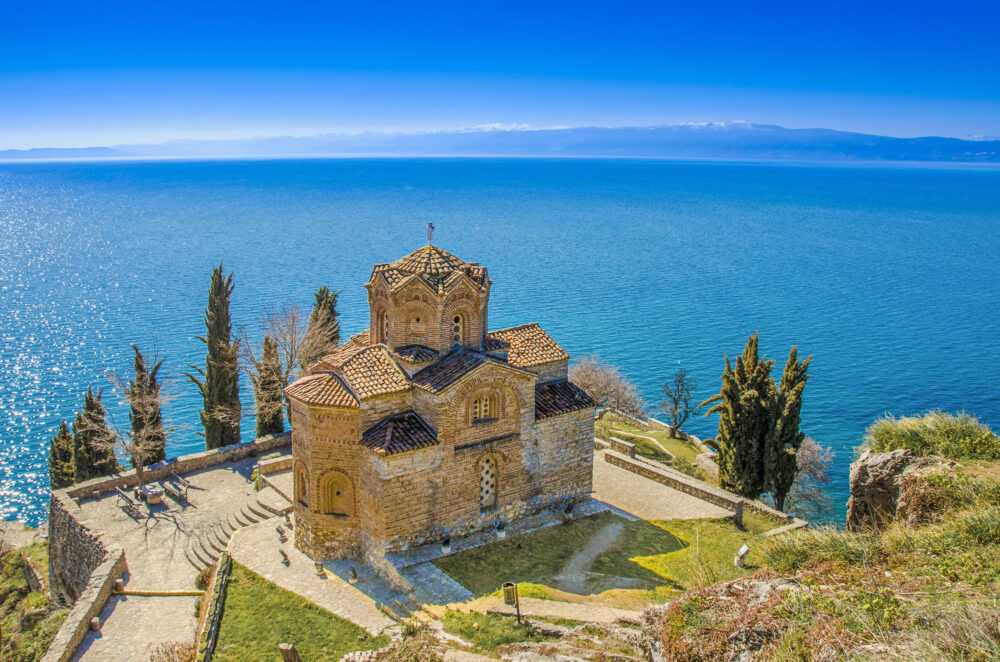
(888,275)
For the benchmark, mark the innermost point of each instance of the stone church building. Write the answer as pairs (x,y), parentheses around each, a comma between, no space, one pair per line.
(428,425)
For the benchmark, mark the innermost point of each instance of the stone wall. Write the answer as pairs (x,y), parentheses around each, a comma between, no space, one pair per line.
(181,465)
(621,446)
(90,603)
(74,550)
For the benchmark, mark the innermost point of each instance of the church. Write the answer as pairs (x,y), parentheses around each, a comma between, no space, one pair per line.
(428,426)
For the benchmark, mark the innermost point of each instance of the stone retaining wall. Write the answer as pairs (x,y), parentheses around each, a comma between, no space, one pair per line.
(90,603)
(183,464)
(621,446)
(74,550)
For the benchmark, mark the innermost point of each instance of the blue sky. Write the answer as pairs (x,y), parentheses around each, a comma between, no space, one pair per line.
(100,73)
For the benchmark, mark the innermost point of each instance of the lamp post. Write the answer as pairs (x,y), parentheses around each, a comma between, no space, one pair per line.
(511,598)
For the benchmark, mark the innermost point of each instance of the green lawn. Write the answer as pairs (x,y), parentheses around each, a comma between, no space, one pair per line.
(258,615)
(487,631)
(660,557)
(683,450)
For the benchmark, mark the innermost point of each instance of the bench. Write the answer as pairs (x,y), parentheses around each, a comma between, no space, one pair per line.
(173,490)
(179,486)
(131,505)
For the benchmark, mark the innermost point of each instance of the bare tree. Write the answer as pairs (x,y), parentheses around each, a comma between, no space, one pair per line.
(676,404)
(808,496)
(301,341)
(141,444)
(605,384)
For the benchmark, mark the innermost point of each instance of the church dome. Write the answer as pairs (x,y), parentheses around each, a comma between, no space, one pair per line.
(429,261)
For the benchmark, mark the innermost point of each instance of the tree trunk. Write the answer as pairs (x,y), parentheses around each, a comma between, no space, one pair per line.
(779,502)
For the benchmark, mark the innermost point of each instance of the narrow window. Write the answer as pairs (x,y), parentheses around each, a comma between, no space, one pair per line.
(488,485)
(486,408)
(382,330)
(301,492)
(477,408)
(456,330)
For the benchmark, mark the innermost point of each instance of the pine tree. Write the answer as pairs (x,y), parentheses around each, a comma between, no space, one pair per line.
(267,390)
(93,451)
(145,413)
(219,384)
(61,472)
(784,441)
(327,301)
(744,407)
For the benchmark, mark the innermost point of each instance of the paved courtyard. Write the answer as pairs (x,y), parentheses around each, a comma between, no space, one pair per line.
(645,498)
(160,548)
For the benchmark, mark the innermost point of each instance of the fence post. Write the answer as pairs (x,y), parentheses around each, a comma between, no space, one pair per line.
(288,653)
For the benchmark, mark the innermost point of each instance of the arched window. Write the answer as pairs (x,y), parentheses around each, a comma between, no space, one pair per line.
(301,486)
(488,485)
(482,408)
(457,329)
(382,328)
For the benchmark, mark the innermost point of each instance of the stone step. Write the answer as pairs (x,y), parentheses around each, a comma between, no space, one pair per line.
(260,511)
(213,543)
(208,551)
(222,537)
(390,611)
(204,560)
(241,518)
(193,559)
(228,527)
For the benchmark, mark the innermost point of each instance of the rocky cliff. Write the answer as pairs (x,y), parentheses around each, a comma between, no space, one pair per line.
(877,481)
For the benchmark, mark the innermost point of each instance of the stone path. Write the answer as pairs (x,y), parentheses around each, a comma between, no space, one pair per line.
(132,626)
(257,547)
(432,586)
(576,611)
(573,577)
(645,498)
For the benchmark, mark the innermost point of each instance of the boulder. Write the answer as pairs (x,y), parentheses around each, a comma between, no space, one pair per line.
(876,480)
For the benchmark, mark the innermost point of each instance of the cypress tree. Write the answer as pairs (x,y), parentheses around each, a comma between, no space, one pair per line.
(93,451)
(61,471)
(785,439)
(146,415)
(744,407)
(327,301)
(219,383)
(267,390)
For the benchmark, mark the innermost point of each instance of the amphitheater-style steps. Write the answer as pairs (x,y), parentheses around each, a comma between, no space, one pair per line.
(204,549)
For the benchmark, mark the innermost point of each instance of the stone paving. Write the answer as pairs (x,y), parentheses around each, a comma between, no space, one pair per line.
(432,586)
(132,626)
(645,498)
(257,547)
(555,609)
(155,553)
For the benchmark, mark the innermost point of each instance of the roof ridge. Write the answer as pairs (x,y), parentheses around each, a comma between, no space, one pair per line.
(514,328)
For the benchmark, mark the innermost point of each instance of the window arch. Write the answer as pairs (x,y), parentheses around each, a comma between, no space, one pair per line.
(301,486)
(382,327)
(336,494)
(488,481)
(457,330)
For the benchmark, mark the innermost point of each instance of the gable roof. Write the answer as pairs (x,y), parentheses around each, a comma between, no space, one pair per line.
(454,365)
(372,371)
(525,345)
(555,398)
(415,354)
(324,389)
(399,433)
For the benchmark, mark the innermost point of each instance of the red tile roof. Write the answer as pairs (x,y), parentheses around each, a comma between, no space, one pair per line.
(434,265)
(372,371)
(322,388)
(399,433)
(525,345)
(555,398)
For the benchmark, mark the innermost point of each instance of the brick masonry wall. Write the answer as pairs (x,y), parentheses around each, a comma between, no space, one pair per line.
(90,603)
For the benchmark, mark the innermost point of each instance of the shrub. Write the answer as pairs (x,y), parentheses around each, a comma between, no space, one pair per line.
(961,436)
(927,497)
(204,578)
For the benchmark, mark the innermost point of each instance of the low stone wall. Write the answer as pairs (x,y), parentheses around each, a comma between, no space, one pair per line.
(209,633)
(88,605)
(74,550)
(677,480)
(183,464)
(31,574)
(621,446)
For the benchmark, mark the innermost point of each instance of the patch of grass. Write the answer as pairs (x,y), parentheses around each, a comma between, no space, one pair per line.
(756,523)
(957,436)
(488,631)
(29,623)
(258,615)
(682,450)
(662,556)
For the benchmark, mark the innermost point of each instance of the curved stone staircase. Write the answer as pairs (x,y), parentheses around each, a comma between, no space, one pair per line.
(204,549)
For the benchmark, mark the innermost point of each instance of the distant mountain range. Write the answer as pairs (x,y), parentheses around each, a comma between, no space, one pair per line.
(728,140)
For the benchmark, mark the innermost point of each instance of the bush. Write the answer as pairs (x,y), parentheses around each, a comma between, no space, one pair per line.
(928,497)
(204,578)
(961,436)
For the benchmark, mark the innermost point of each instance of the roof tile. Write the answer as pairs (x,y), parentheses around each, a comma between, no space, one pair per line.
(322,388)
(372,371)
(399,433)
(525,345)
(555,398)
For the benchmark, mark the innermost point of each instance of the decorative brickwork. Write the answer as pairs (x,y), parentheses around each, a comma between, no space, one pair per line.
(427,426)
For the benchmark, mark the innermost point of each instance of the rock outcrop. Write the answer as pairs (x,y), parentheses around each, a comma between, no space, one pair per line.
(876,482)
